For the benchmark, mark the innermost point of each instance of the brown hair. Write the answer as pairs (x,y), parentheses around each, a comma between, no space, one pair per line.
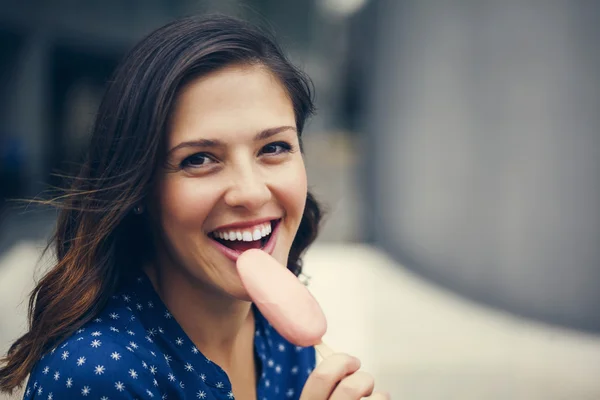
(98,240)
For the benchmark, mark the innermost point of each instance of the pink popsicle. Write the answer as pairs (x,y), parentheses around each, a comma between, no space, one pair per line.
(284,301)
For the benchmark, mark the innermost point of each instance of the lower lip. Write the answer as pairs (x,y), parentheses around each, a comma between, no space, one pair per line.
(234,254)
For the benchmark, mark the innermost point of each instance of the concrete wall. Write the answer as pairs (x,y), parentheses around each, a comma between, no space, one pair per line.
(484,150)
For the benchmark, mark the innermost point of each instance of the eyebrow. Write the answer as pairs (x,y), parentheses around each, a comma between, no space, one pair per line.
(262,135)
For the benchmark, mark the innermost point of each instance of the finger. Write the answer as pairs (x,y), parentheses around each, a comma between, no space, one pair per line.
(354,387)
(327,375)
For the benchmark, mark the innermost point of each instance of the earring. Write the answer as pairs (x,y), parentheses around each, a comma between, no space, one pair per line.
(138,209)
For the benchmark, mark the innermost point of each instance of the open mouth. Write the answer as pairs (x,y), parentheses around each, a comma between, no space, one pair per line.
(233,242)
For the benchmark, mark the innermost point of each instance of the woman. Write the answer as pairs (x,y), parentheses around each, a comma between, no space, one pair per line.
(194,158)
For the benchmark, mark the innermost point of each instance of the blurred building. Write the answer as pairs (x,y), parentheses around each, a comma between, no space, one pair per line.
(483,158)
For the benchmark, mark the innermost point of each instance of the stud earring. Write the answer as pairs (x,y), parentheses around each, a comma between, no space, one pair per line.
(138,209)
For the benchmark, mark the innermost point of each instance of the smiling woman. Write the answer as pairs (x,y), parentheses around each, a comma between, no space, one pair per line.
(195,157)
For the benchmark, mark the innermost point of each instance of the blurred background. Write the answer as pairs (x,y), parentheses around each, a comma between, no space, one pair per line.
(457,148)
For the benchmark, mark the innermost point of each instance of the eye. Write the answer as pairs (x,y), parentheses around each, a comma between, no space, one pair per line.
(276,148)
(197,160)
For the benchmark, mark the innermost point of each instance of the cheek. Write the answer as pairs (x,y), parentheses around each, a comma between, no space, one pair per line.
(183,203)
(292,189)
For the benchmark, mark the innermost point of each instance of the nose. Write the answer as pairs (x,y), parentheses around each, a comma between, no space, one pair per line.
(248,190)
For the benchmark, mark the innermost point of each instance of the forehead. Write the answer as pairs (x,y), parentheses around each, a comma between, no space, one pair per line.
(229,104)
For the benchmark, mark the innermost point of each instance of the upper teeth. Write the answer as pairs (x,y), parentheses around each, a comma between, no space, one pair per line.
(247,235)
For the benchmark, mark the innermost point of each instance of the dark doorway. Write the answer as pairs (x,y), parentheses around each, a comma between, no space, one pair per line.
(77,84)
(11,145)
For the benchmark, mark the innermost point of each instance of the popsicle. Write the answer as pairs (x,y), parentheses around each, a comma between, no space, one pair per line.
(283,300)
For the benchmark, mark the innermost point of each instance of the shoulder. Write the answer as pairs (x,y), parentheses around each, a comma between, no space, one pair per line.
(82,368)
(103,359)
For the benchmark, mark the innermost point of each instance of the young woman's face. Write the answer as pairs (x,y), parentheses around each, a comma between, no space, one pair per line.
(234,177)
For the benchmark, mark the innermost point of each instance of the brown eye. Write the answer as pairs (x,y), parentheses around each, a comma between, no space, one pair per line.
(196,160)
(276,148)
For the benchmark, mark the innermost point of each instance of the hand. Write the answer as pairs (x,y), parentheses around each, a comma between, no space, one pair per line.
(337,378)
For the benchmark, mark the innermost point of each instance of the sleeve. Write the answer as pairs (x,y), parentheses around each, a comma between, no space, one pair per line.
(81,371)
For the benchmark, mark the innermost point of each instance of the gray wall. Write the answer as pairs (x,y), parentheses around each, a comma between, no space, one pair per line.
(484,149)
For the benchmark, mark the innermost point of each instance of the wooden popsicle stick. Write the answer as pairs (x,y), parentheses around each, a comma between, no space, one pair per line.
(323,351)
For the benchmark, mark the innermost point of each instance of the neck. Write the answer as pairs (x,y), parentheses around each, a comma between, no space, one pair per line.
(221,326)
